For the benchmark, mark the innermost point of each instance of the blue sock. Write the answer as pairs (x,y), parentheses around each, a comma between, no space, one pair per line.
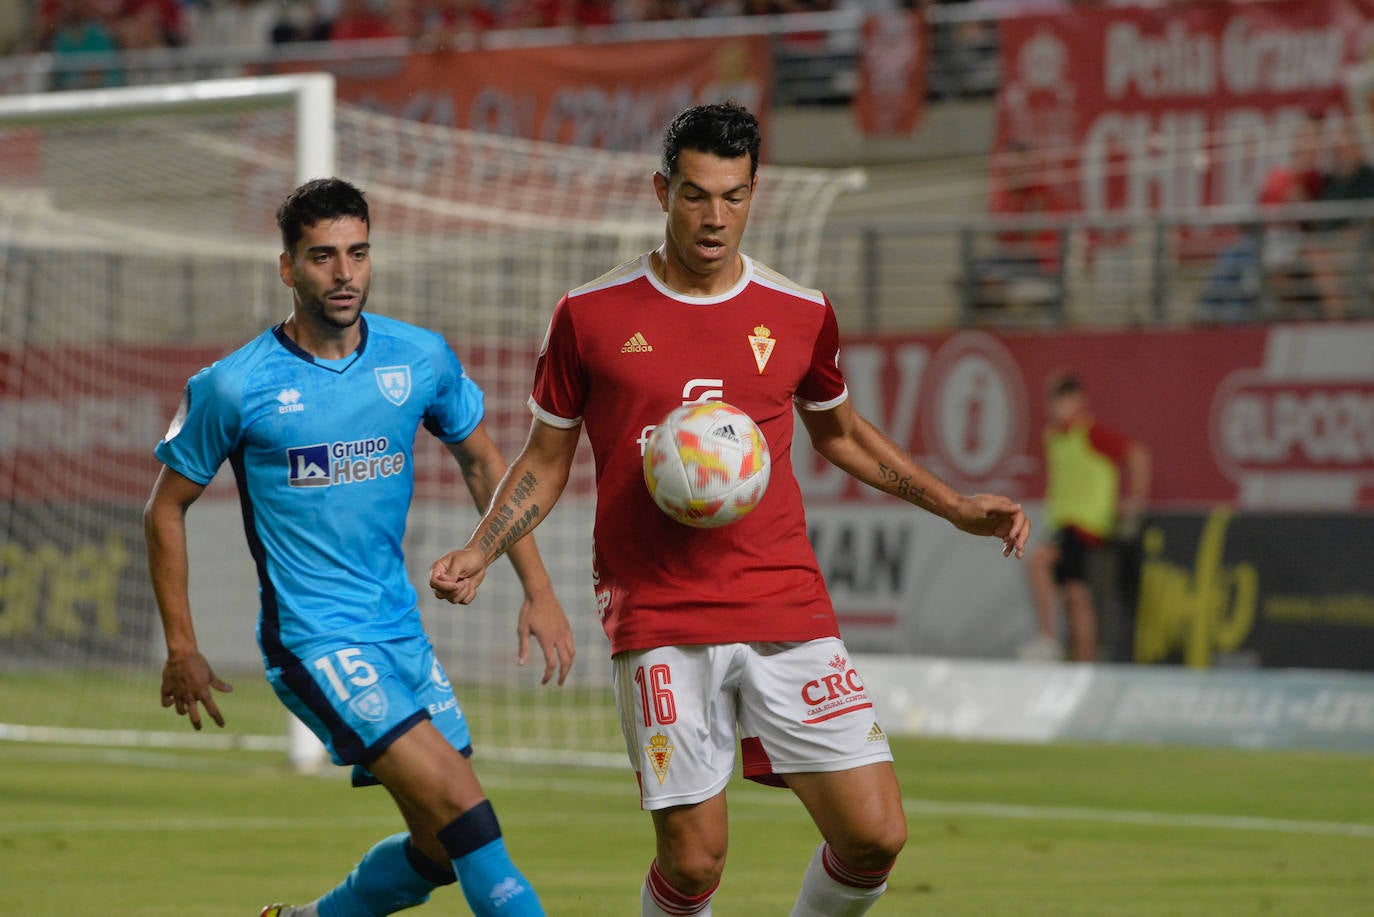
(391,877)
(491,883)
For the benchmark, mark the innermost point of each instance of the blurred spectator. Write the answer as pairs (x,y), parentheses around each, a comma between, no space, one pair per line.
(301,20)
(1026,265)
(48,15)
(447,22)
(544,14)
(362,19)
(79,30)
(235,24)
(1088,510)
(1267,272)
(15,29)
(150,24)
(1334,246)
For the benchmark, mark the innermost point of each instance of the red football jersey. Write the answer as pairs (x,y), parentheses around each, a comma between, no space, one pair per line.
(623,351)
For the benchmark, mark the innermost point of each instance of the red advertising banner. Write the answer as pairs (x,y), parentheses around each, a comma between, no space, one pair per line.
(894,58)
(1184,105)
(1261,417)
(609,96)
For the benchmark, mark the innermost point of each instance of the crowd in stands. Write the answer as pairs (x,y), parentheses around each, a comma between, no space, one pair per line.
(108,25)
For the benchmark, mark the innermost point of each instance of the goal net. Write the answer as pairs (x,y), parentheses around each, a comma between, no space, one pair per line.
(137,244)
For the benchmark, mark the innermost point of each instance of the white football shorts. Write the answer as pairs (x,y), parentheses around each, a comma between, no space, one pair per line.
(798,708)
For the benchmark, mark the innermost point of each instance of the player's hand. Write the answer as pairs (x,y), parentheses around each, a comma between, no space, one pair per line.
(456,576)
(999,517)
(543,616)
(186,683)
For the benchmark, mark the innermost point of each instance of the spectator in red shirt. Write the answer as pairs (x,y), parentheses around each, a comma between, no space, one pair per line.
(1021,255)
(151,24)
(360,19)
(448,21)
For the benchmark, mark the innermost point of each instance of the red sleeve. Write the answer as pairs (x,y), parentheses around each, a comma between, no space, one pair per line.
(824,382)
(560,385)
(1108,441)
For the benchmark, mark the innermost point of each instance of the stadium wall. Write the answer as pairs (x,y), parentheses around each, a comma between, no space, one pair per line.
(1055,702)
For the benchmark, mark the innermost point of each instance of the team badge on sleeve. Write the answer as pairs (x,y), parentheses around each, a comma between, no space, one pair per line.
(394,381)
(762,343)
(660,753)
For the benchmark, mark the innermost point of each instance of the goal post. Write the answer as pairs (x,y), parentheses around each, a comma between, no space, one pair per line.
(137,244)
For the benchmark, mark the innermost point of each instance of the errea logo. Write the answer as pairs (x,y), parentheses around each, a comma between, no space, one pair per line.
(289,401)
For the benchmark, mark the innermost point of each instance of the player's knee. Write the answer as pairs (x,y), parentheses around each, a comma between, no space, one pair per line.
(877,849)
(692,871)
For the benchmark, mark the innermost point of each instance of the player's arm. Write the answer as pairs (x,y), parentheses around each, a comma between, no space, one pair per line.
(483,467)
(186,676)
(848,440)
(529,489)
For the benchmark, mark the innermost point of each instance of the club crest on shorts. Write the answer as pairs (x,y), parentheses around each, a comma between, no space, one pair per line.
(394,381)
(370,705)
(660,753)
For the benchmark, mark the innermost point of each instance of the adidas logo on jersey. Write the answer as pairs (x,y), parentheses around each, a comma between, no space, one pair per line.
(637,344)
(876,734)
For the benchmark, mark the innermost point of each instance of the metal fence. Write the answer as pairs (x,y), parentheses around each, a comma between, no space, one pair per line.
(1213,266)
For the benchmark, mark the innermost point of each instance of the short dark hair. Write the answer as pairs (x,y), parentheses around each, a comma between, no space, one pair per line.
(724,129)
(1063,383)
(316,200)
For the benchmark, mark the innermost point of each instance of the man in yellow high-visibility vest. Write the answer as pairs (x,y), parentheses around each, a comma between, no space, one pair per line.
(1085,507)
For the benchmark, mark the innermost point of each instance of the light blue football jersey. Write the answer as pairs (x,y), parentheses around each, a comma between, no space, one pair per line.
(322,451)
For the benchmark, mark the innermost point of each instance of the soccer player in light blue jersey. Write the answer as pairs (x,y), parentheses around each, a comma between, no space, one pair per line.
(318,418)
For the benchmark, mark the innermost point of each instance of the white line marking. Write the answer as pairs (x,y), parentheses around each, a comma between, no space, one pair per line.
(746,795)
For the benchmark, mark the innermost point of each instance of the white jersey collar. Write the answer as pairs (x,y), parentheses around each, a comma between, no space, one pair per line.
(745,276)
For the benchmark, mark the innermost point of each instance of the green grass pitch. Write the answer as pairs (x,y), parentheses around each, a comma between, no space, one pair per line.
(995,829)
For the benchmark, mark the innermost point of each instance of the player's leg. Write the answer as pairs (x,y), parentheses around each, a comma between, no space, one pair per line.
(1072,574)
(451,821)
(390,707)
(807,722)
(1040,569)
(859,813)
(677,713)
(690,843)
(1082,617)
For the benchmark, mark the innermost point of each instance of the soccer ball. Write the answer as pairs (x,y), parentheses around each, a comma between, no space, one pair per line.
(706,465)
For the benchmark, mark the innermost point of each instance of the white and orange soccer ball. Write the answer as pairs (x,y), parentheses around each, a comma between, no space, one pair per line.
(706,465)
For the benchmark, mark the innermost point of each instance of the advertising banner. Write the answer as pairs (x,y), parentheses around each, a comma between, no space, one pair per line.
(1275,423)
(1279,591)
(1030,702)
(1183,105)
(1265,417)
(616,96)
(894,57)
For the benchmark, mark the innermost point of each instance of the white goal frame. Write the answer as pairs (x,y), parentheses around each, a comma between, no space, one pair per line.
(312,98)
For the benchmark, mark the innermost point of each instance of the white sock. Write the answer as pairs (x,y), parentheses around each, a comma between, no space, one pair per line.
(304,910)
(659,899)
(824,895)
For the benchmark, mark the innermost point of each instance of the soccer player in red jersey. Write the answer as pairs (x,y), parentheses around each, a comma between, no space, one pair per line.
(714,630)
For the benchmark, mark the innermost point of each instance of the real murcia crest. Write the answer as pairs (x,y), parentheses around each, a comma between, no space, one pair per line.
(762,344)
(394,381)
(660,753)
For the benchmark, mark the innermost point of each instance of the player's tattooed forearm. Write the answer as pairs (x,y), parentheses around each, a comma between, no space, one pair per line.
(901,485)
(506,529)
(523,489)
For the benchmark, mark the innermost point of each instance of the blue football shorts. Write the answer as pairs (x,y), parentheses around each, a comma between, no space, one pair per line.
(359,698)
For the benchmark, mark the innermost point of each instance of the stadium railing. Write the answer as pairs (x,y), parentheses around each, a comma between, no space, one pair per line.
(1206,266)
